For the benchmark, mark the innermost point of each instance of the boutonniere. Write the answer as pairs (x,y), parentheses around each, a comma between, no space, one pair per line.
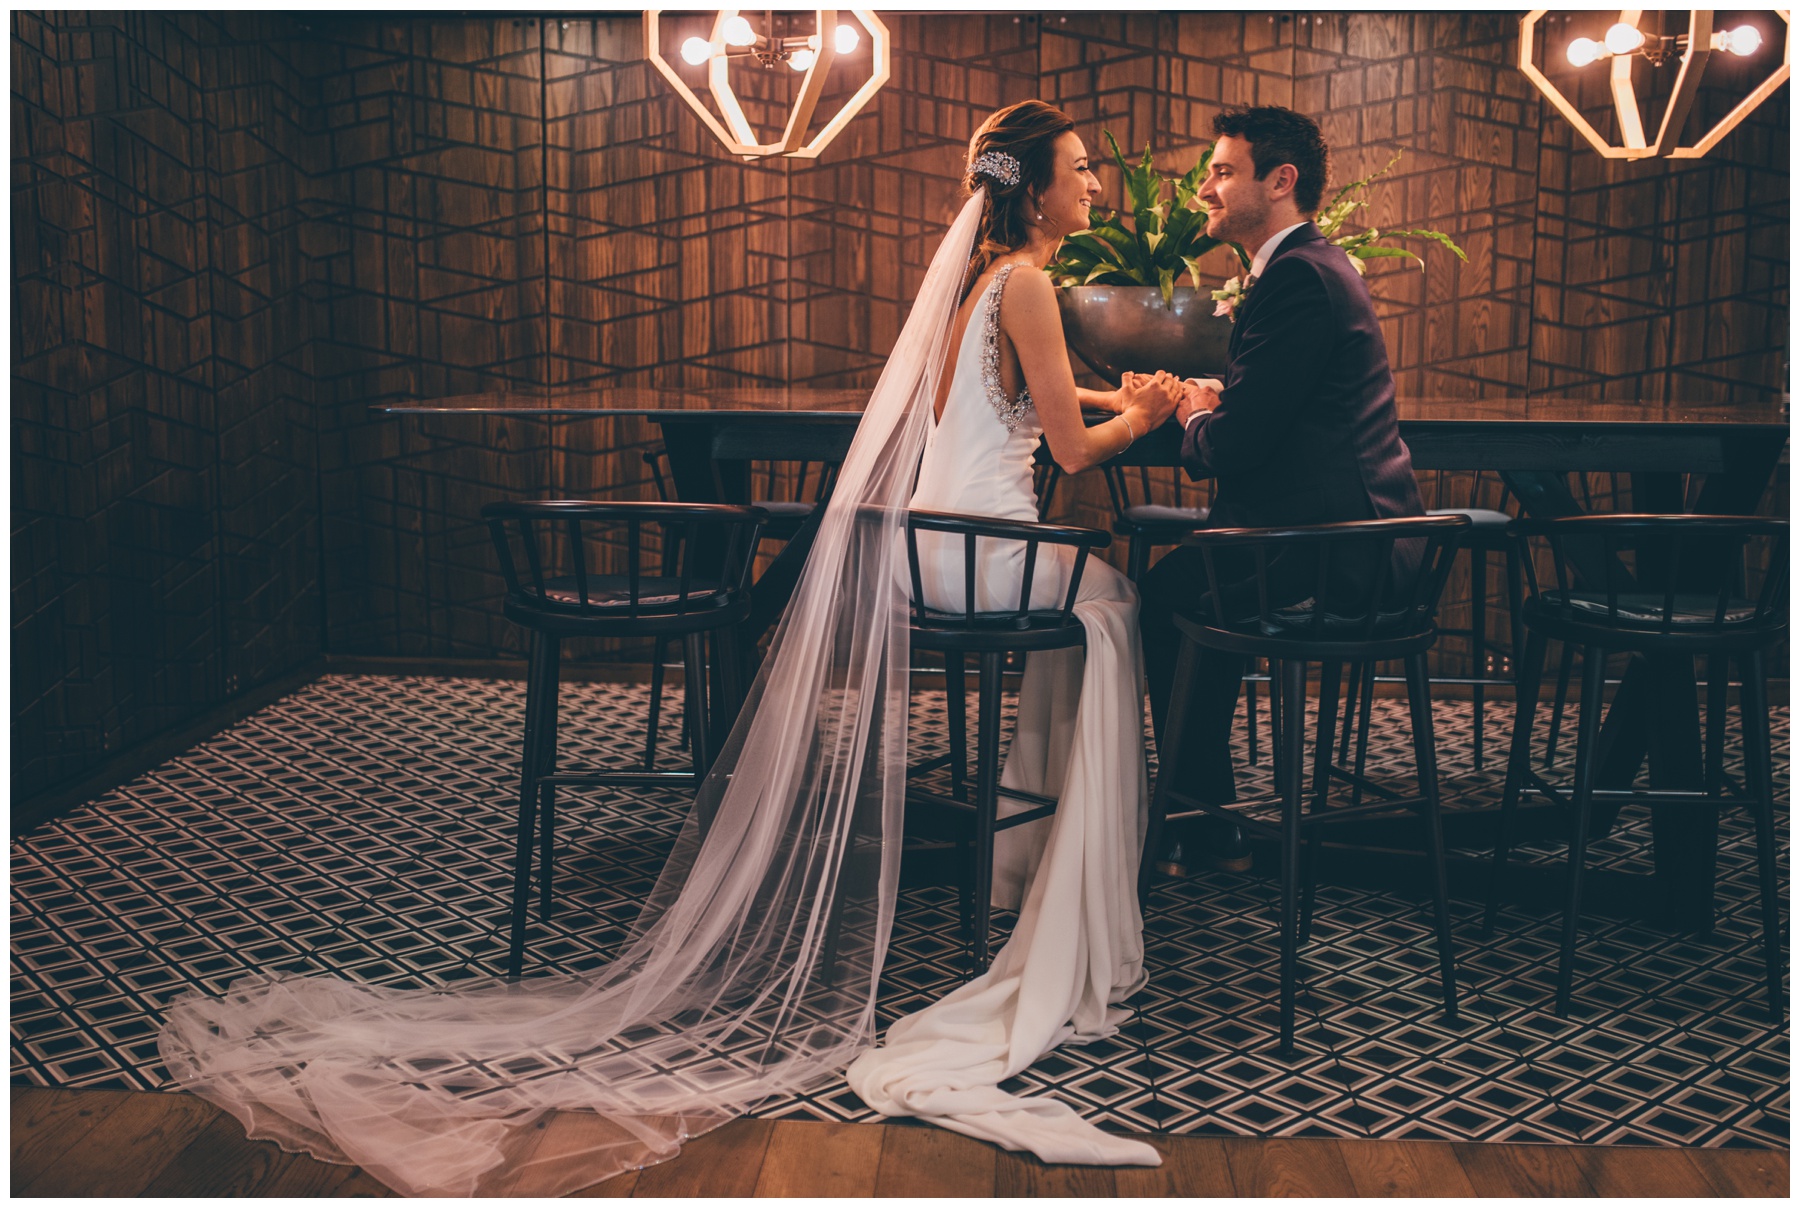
(1231,296)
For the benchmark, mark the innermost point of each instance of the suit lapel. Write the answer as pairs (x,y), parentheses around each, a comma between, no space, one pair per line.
(1296,237)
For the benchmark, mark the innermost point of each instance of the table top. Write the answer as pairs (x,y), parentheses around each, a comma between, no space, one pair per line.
(843,406)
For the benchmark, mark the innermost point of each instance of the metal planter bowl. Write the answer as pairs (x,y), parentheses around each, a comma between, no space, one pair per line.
(1116,328)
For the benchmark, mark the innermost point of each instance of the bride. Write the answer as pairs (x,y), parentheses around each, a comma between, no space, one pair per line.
(753,969)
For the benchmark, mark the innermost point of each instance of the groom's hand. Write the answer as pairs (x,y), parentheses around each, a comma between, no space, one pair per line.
(1196,397)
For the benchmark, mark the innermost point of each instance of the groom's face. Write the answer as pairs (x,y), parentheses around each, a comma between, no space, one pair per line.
(1237,203)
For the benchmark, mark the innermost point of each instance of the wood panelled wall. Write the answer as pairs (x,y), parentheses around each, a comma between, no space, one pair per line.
(165,515)
(233,233)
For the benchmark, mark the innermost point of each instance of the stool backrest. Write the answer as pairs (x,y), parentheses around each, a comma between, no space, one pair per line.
(1119,487)
(1467,489)
(1358,590)
(1662,574)
(775,477)
(654,459)
(707,552)
(974,528)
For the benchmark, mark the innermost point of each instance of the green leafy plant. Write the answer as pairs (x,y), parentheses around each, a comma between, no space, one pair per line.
(1161,232)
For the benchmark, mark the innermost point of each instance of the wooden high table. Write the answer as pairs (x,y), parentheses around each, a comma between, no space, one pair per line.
(1533,443)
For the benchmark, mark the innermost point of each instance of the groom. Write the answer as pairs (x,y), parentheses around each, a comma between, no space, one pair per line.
(1303,430)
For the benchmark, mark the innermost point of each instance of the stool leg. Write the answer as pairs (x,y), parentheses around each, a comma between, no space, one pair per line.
(1518,763)
(1138,558)
(1292,757)
(1587,740)
(1362,732)
(528,774)
(1352,695)
(1418,695)
(1478,642)
(1718,685)
(1276,693)
(956,703)
(656,692)
(731,671)
(987,797)
(1515,606)
(1759,781)
(546,765)
(698,722)
(1564,670)
(1167,761)
(1329,673)
(1250,715)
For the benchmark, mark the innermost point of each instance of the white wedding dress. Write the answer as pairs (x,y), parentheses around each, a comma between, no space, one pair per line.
(1077,949)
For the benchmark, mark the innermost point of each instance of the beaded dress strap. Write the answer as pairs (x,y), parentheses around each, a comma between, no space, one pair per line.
(1011,411)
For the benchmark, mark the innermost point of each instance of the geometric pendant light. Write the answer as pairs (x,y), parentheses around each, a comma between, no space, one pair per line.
(735,40)
(1623,43)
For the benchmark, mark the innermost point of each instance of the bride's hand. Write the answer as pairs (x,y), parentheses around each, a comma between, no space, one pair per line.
(1148,398)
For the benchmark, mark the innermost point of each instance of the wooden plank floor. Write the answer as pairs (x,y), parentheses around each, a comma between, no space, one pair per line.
(128,1143)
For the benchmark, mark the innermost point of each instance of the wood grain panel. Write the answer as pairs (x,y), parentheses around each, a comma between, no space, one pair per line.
(166,512)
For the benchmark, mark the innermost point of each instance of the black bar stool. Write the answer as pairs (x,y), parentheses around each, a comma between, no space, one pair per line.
(701,588)
(1383,617)
(992,635)
(1701,608)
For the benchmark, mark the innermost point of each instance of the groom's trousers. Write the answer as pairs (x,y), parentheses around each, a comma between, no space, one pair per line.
(1177,584)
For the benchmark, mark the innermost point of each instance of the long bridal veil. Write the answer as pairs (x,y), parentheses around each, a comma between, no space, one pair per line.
(753,968)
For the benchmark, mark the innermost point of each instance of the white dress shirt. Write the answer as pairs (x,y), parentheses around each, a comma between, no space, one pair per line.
(1258,263)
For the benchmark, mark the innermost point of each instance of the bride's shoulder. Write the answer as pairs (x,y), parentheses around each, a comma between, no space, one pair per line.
(1027,296)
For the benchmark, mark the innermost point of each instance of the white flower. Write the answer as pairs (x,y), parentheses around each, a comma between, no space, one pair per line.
(1229,297)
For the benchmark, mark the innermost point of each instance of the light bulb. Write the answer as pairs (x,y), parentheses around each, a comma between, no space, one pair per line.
(737,32)
(1583,51)
(696,51)
(802,59)
(1744,40)
(1622,39)
(846,39)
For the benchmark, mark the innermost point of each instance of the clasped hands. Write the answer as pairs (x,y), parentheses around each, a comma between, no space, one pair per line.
(1156,396)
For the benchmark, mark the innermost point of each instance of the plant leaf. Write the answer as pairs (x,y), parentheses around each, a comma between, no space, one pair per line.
(1108,274)
(1166,278)
(1435,236)
(1372,251)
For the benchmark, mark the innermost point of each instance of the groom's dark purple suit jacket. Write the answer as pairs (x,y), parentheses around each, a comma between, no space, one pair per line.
(1305,431)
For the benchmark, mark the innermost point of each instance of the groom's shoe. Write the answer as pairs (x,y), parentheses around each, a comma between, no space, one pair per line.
(1223,846)
(1172,861)
(1176,856)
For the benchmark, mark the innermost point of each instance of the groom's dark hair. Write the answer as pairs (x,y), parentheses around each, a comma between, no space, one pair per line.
(1280,136)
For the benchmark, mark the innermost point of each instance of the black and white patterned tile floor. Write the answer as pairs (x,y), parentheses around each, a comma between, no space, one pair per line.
(360,828)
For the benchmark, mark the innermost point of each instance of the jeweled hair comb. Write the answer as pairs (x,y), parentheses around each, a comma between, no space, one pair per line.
(996,165)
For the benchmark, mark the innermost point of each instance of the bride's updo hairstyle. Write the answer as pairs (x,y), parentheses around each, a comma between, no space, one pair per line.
(1012,156)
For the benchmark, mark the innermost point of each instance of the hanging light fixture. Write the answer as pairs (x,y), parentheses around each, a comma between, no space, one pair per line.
(736,40)
(1623,44)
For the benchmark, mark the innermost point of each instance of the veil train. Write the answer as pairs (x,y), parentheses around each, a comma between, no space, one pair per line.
(753,968)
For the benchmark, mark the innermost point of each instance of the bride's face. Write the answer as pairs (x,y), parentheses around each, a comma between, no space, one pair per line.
(1065,202)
